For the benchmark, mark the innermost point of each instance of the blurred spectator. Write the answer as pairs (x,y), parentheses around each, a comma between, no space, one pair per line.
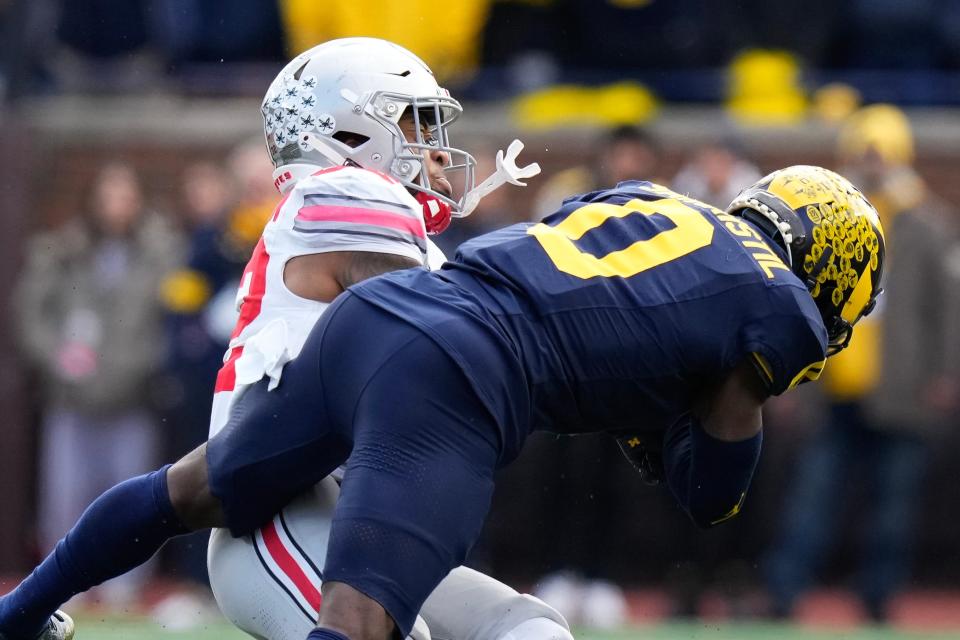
(255,196)
(225,213)
(716,174)
(213,265)
(888,393)
(200,301)
(90,321)
(623,153)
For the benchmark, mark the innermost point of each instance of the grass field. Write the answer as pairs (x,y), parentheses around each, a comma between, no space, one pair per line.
(137,629)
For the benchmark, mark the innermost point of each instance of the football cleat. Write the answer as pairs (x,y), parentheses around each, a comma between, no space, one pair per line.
(59,627)
(831,237)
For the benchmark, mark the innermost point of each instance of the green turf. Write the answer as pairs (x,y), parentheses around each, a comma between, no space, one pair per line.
(90,628)
(131,629)
(756,631)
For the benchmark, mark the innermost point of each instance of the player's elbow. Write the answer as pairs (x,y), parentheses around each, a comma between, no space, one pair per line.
(709,477)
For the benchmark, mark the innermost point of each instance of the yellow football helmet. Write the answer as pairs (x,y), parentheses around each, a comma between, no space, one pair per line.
(831,236)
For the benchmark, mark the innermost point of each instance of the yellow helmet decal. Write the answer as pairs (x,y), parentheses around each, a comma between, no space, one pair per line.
(862,292)
(808,186)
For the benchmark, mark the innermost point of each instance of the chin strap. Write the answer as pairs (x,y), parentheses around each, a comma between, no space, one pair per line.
(436,213)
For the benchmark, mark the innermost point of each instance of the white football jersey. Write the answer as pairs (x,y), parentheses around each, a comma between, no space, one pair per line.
(269,583)
(336,209)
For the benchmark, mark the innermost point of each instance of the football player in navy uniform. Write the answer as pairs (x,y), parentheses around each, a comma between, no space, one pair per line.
(634,311)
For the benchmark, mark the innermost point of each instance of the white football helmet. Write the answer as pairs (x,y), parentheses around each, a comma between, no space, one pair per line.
(341,101)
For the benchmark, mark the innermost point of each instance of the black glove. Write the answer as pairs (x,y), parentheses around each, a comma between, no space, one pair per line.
(645,454)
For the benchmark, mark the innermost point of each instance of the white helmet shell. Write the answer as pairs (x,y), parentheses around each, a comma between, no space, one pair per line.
(341,102)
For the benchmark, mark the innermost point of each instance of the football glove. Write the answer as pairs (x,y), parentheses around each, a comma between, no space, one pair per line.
(645,453)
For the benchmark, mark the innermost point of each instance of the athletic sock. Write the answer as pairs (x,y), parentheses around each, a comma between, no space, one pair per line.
(321,633)
(121,530)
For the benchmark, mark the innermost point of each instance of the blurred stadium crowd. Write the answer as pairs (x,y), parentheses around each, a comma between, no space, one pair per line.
(122,301)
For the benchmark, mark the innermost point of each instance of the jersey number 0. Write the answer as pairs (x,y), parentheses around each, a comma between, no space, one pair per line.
(691,232)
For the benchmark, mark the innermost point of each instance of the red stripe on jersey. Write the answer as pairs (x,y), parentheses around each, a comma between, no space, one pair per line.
(255,274)
(227,376)
(290,567)
(255,280)
(354,215)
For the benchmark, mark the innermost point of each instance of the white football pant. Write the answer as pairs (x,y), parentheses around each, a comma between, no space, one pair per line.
(268,585)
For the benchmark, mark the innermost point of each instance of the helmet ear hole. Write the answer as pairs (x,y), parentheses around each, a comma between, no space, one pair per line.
(349,138)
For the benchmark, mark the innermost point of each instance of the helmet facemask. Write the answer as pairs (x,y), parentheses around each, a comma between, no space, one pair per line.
(341,103)
(434,115)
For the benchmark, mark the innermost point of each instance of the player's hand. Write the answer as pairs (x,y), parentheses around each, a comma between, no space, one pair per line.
(645,454)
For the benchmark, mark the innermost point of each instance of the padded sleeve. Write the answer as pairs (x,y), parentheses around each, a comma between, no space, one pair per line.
(356,210)
(787,342)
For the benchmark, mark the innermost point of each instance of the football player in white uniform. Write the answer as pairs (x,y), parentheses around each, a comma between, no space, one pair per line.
(357,131)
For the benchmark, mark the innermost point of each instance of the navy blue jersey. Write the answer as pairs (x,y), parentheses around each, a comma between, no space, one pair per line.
(617,310)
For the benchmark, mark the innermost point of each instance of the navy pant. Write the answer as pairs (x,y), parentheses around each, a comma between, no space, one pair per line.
(894,463)
(422,449)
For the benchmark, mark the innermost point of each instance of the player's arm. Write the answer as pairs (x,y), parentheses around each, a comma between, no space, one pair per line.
(349,225)
(324,276)
(710,454)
